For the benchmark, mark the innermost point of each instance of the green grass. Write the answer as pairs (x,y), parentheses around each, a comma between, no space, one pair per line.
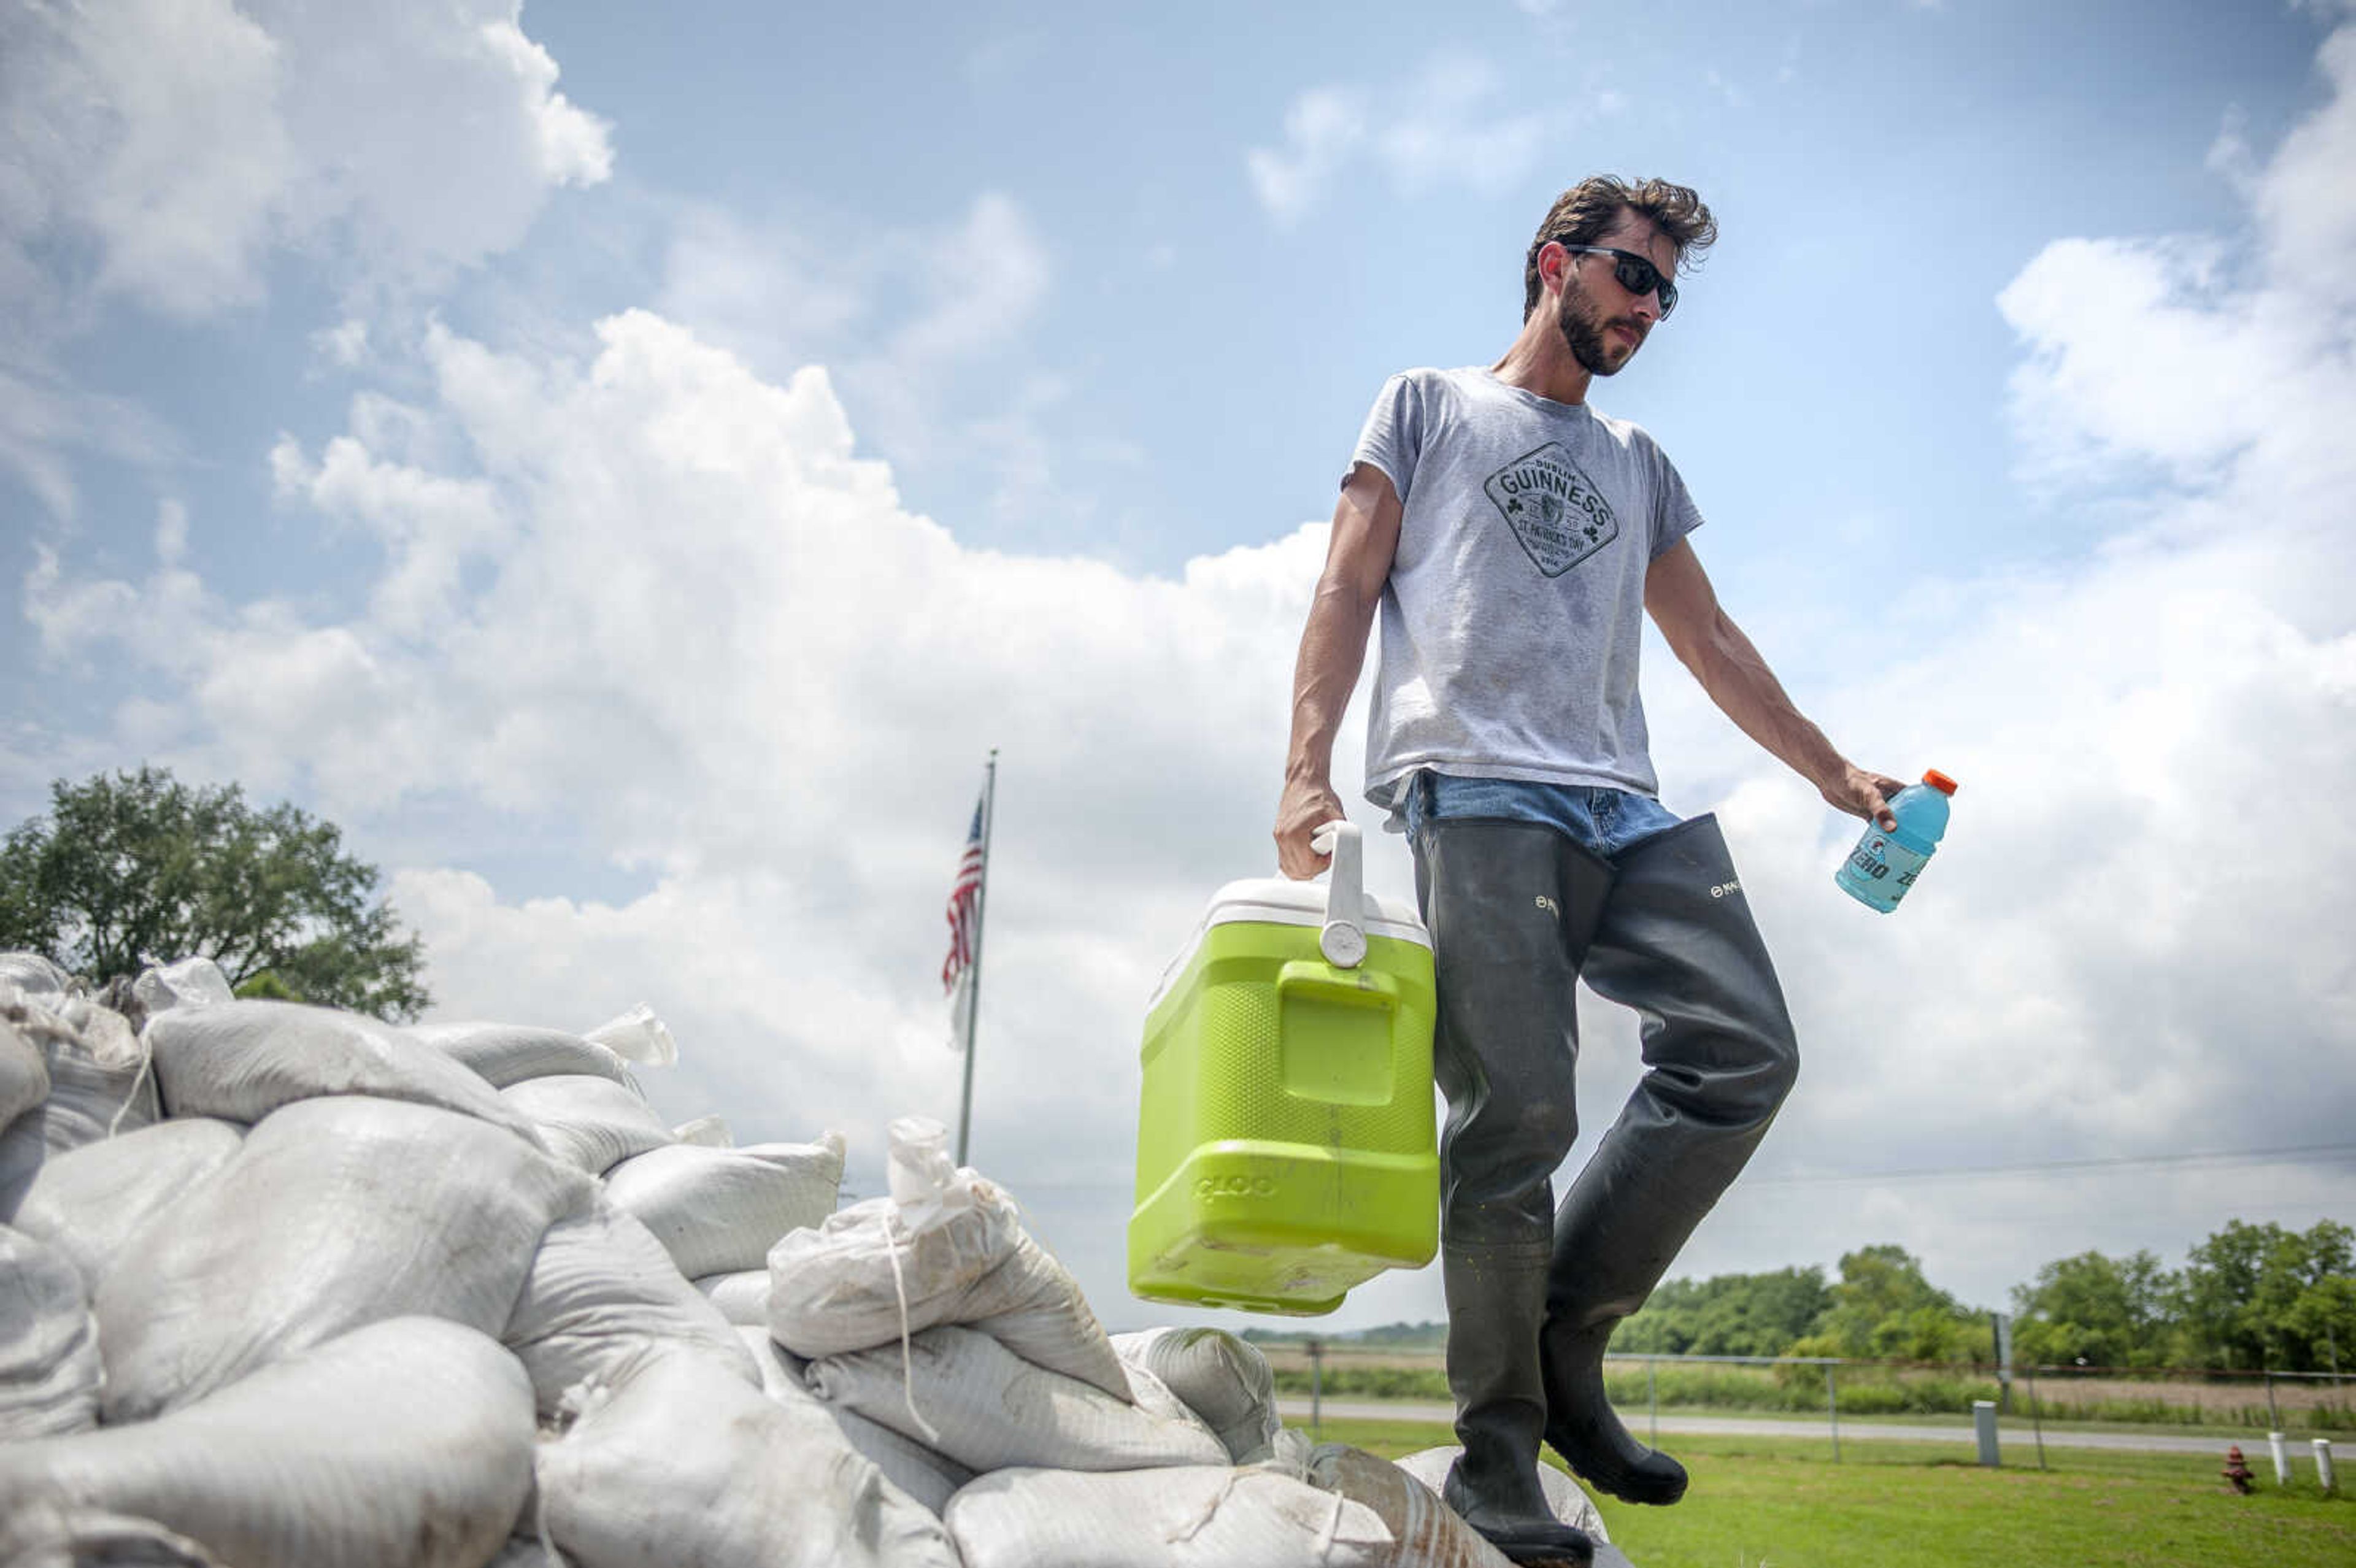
(1800,1391)
(1781,1503)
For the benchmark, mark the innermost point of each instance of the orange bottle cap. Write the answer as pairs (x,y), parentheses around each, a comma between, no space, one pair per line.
(1940,781)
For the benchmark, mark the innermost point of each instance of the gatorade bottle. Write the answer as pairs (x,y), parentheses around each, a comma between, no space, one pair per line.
(1884,864)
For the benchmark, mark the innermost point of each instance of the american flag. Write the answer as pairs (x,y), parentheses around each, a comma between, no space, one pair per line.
(964,905)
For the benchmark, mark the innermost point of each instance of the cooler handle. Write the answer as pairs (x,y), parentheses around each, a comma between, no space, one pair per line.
(1344,939)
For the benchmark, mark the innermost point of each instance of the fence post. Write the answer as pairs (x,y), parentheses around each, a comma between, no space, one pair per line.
(2273,1416)
(2323,1476)
(1832,1407)
(2036,1419)
(1984,1425)
(1653,1394)
(1316,1385)
(2282,1459)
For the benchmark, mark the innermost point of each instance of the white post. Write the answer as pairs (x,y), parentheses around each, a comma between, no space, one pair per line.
(2323,1463)
(1984,1420)
(2282,1459)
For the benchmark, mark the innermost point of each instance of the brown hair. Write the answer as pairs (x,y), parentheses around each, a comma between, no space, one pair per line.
(1587,212)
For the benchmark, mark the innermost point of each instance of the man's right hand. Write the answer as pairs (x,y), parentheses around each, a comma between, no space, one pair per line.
(1306,807)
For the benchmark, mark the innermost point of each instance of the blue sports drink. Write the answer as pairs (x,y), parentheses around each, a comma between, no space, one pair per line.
(1884,864)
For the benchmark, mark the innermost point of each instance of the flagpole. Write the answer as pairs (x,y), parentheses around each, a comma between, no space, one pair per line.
(973,974)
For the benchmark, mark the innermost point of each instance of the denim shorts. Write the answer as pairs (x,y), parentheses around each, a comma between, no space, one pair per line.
(1605,820)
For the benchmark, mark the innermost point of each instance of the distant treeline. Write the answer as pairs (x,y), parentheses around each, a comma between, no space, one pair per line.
(2250,1297)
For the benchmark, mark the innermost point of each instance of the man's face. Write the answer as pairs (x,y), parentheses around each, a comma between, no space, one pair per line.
(1603,324)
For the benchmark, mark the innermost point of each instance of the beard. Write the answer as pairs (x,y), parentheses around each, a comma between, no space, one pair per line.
(1584,335)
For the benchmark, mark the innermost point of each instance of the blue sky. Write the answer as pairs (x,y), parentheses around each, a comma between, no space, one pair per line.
(629,473)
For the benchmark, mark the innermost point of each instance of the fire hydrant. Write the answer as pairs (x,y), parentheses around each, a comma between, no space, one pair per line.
(2236,1473)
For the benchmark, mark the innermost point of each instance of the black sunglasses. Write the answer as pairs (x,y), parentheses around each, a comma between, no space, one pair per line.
(1635,273)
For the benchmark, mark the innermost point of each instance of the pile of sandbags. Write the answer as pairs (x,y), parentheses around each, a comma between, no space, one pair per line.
(286,1286)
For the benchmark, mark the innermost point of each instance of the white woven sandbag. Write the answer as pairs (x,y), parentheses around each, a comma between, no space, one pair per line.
(1427,1532)
(741,1296)
(53,1537)
(23,1075)
(335,1212)
(679,1465)
(1223,1379)
(717,1210)
(588,1122)
(49,1368)
(1194,1517)
(834,1289)
(191,983)
(987,1408)
(1570,1505)
(502,1054)
(925,1475)
(100,1083)
(1289,1454)
(88,1202)
(23,1149)
(600,1288)
(781,1370)
(528,1552)
(33,975)
(240,1061)
(407,1443)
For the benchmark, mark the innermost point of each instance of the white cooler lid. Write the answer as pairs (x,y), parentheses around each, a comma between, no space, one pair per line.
(1282,900)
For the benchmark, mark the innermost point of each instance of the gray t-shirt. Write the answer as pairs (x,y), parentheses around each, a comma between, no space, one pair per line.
(1514,608)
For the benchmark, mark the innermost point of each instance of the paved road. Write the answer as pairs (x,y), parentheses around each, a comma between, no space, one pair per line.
(2014,1434)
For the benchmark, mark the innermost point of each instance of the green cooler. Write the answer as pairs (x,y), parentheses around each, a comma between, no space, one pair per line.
(1285,1138)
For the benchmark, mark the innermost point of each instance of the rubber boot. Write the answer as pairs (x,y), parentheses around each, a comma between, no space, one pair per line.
(1675,942)
(1510,906)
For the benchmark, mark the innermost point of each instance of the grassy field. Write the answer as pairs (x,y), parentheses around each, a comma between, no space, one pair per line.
(2302,1410)
(1782,1503)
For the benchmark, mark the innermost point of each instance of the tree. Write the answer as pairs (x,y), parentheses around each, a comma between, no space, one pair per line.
(132,869)
(1727,1315)
(1883,1306)
(2108,1312)
(2261,1295)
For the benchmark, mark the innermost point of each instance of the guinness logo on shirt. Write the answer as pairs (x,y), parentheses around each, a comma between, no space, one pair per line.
(1553,507)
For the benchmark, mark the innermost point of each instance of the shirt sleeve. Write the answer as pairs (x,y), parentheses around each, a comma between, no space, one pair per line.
(1392,438)
(1675,514)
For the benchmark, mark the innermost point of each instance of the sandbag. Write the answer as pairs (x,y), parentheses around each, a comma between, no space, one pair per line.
(987,1408)
(335,1212)
(1570,1505)
(930,1478)
(742,1296)
(407,1443)
(781,1371)
(588,1122)
(24,1146)
(600,1288)
(1194,1517)
(832,1290)
(191,983)
(33,975)
(718,1209)
(49,1367)
(23,1075)
(100,1083)
(1223,1379)
(1426,1533)
(679,1465)
(88,1202)
(528,1552)
(240,1061)
(502,1054)
(46,1536)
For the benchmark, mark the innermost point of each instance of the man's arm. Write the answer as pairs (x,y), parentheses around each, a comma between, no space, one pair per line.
(1333,647)
(1706,642)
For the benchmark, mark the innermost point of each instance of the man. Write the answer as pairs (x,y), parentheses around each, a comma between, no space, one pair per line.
(1512,537)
